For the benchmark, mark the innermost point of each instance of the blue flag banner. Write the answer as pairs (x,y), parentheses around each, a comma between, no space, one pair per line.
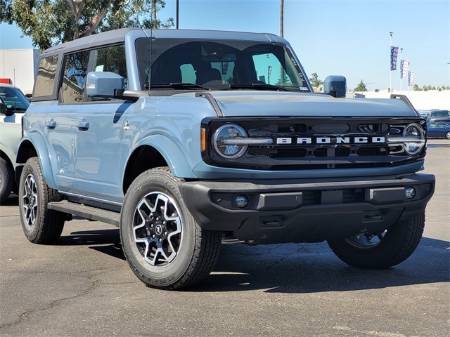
(404,68)
(402,64)
(394,54)
(410,79)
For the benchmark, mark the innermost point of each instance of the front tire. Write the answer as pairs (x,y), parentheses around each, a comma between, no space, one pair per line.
(163,244)
(40,224)
(391,247)
(6,180)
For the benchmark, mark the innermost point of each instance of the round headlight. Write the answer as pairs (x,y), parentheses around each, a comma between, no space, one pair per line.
(226,133)
(414,138)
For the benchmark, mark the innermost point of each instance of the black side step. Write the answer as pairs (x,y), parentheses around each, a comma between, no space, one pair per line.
(86,212)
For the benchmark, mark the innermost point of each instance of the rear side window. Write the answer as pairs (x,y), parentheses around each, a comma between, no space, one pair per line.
(45,79)
(74,78)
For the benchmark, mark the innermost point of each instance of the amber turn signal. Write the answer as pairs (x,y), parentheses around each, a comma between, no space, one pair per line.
(203,139)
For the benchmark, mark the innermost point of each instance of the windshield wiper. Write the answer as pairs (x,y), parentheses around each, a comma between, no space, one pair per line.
(259,86)
(179,86)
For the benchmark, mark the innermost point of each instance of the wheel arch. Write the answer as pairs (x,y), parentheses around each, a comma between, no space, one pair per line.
(35,148)
(151,152)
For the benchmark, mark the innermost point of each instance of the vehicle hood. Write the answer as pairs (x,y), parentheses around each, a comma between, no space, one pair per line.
(275,103)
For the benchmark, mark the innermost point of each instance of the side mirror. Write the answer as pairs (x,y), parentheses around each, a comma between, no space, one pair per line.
(335,86)
(104,84)
(5,109)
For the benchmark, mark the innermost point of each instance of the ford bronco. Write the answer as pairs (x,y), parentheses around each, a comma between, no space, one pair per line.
(182,137)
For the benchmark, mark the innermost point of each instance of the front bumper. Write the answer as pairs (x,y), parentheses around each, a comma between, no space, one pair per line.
(308,211)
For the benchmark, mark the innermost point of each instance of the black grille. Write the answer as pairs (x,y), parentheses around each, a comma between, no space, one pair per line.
(311,197)
(313,156)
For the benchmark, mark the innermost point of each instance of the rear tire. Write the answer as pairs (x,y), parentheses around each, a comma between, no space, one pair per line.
(6,180)
(40,224)
(397,244)
(153,214)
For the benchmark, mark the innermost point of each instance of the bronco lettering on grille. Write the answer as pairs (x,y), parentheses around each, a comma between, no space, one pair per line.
(332,140)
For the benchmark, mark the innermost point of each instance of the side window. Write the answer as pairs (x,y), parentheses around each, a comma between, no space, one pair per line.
(110,59)
(45,78)
(74,79)
(269,70)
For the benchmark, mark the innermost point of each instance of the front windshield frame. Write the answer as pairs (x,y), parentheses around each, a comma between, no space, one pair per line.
(290,67)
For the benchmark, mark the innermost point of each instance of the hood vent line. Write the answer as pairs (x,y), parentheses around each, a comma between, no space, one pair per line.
(211,101)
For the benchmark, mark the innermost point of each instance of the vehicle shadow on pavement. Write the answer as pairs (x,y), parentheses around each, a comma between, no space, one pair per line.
(294,268)
(312,268)
(13,200)
(106,241)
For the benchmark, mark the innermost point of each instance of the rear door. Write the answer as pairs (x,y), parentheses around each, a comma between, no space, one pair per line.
(62,122)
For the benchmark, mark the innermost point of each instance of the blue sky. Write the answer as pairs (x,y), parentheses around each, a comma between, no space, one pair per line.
(347,37)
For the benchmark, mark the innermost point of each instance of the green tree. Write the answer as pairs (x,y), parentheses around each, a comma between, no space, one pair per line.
(416,88)
(49,22)
(361,86)
(5,10)
(315,81)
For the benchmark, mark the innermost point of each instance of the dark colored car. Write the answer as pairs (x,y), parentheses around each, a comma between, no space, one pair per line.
(15,101)
(439,129)
(438,115)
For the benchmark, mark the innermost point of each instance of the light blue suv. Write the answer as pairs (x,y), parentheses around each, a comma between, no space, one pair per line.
(181,137)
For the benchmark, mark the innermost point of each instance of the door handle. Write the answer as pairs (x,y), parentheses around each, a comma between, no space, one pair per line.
(50,124)
(83,125)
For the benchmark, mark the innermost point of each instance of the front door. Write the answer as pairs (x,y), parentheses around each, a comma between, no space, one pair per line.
(97,171)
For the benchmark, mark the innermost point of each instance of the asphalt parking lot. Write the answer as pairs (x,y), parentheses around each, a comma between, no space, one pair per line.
(83,286)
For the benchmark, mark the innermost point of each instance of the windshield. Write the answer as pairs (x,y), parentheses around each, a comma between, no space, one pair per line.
(440,113)
(14,98)
(218,65)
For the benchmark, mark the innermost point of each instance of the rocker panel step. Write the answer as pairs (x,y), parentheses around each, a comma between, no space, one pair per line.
(86,212)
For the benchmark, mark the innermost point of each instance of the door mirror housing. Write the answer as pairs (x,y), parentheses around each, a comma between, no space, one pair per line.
(6,109)
(335,86)
(104,84)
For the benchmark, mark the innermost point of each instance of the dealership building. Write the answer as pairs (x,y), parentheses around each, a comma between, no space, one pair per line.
(18,67)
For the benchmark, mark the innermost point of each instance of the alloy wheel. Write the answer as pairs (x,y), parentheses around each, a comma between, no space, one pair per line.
(158,228)
(30,200)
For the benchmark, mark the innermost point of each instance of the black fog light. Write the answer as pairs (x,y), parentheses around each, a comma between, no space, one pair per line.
(410,192)
(241,201)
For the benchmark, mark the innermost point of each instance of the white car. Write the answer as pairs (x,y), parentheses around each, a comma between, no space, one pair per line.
(12,107)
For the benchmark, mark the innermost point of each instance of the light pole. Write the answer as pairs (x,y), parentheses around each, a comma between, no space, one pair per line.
(282,18)
(178,15)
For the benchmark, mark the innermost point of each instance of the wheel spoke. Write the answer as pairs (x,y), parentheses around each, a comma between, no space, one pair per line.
(155,257)
(27,187)
(32,215)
